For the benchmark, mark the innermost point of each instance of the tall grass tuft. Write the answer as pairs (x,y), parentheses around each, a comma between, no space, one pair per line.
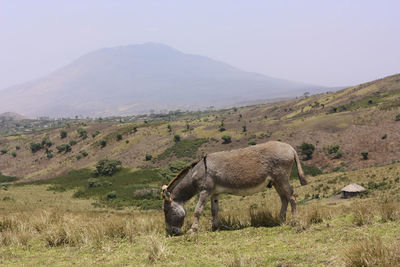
(231,222)
(362,214)
(263,218)
(371,252)
(388,210)
(156,249)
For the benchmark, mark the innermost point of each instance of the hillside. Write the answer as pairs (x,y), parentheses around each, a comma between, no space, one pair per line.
(360,118)
(136,79)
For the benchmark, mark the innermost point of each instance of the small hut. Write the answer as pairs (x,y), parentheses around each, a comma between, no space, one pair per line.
(352,190)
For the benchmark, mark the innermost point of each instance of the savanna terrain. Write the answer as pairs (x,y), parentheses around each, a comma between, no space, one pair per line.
(55,209)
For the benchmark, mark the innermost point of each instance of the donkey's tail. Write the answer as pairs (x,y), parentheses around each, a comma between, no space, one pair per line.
(302,177)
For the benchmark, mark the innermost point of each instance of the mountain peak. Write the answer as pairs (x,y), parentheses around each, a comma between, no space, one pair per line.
(134,79)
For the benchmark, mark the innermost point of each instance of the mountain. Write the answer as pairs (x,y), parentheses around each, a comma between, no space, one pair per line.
(138,78)
(12,116)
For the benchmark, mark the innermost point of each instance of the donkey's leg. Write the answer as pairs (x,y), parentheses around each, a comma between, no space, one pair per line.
(284,192)
(204,196)
(214,212)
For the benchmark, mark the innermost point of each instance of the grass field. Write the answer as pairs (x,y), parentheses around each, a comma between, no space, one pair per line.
(45,227)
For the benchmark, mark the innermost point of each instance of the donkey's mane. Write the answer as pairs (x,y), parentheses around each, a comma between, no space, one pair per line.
(180,175)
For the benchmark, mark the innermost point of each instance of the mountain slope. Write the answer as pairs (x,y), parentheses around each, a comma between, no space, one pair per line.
(139,78)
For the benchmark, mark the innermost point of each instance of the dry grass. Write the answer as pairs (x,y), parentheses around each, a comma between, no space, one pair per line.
(73,229)
(367,252)
(362,214)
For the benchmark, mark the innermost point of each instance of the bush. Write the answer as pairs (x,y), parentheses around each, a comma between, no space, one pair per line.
(96,133)
(72,142)
(14,154)
(177,138)
(364,154)
(252,143)
(17,147)
(82,133)
(307,150)
(63,134)
(169,128)
(64,148)
(119,137)
(333,149)
(103,143)
(338,155)
(84,153)
(135,128)
(111,195)
(46,142)
(148,157)
(3,151)
(397,117)
(226,138)
(244,128)
(107,167)
(35,147)
(384,136)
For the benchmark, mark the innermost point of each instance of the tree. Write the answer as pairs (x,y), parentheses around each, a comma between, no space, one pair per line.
(63,134)
(364,154)
(119,137)
(107,167)
(169,128)
(82,133)
(226,138)
(35,147)
(177,138)
(307,150)
(148,157)
(103,143)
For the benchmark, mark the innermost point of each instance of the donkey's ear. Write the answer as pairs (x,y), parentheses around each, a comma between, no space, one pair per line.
(165,194)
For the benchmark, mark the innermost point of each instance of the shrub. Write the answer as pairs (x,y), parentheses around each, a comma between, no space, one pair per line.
(388,210)
(226,138)
(63,134)
(64,148)
(46,142)
(384,136)
(84,153)
(364,154)
(111,195)
(252,143)
(3,151)
(307,150)
(107,167)
(135,128)
(397,117)
(14,154)
(72,142)
(103,143)
(169,128)
(82,133)
(362,214)
(244,128)
(333,149)
(78,157)
(96,133)
(148,157)
(35,147)
(17,147)
(119,137)
(177,138)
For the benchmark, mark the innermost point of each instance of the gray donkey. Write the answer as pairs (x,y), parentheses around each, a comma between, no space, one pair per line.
(239,172)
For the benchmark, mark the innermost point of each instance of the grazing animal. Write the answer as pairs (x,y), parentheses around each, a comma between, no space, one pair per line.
(239,172)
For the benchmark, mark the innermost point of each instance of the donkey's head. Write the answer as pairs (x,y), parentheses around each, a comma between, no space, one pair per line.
(174,213)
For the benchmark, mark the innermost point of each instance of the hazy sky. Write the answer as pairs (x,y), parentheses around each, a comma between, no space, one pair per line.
(338,42)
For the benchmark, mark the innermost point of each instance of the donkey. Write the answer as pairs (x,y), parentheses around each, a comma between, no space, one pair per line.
(239,172)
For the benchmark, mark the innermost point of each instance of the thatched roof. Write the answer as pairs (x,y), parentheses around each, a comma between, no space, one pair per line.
(353,188)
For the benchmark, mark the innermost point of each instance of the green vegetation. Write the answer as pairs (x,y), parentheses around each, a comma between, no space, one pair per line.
(148,157)
(3,151)
(107,167)
(119,137)
(63,134)
(35,147)
(46,142)
(7,179)
(397,117)
(364,154)
(82,133)
(186,148)
(103,143)
(96,133)
(226,139)
(114,191)
(177,138)
(64,148)
(307,150)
